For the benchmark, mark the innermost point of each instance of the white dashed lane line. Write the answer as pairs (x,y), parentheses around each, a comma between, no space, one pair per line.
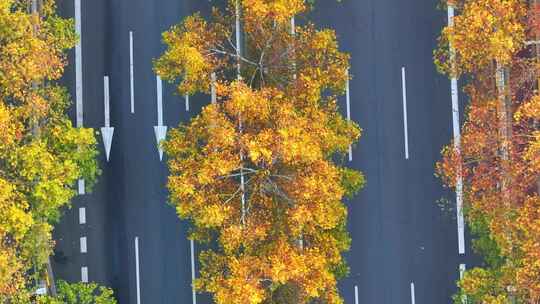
(82,215)
(131,73)
(84,274)
(84,248)
(405,128)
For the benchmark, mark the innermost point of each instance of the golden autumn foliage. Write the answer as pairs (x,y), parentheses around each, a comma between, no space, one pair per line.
(484,31)
(41,154)
(500,173)
(255,171)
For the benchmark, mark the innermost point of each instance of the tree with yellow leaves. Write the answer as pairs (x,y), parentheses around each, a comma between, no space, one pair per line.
(255,171)
(499,155)
(41,154)
(484,32)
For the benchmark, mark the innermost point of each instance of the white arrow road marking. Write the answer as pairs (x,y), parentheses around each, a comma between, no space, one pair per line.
(356,295)
(457,145)
(406,132)
(107,131)
(160,130)
(137,269)
(194,295)
(349,109)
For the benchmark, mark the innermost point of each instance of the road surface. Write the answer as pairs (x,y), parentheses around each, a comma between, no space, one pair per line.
(404,247)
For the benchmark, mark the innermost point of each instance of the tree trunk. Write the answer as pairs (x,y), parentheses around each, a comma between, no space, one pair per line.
(504,113)
(537,53)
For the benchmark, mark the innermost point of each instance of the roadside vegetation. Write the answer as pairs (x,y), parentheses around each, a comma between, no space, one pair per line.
(497,52)
(260,171)
(41,153)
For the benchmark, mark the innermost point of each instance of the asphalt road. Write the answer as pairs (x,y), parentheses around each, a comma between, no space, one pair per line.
(400,235)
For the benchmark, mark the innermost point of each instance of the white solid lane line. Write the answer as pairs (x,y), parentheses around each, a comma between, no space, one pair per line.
(78,66)
(356,295)
(194,295)
(84,249)
(348,100)
(84,274)
(131,81)
(78,79)
(406,132)
(137,274)
(457,146)
(82,215)
(413,296)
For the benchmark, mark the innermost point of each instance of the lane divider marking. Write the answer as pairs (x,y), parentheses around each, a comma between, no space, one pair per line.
(406,132)
(83,245)
(137,269)
(82,215)
(457,145)
(131,77)
(84,274)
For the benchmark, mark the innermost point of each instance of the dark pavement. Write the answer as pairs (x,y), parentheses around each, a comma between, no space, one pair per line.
(400,235)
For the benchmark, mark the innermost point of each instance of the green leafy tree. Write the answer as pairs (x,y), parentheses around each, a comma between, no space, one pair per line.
(79,293)
(41,153)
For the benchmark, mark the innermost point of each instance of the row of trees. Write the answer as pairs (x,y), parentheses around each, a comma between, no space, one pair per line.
(494,44)
(259,172)
(41,153)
